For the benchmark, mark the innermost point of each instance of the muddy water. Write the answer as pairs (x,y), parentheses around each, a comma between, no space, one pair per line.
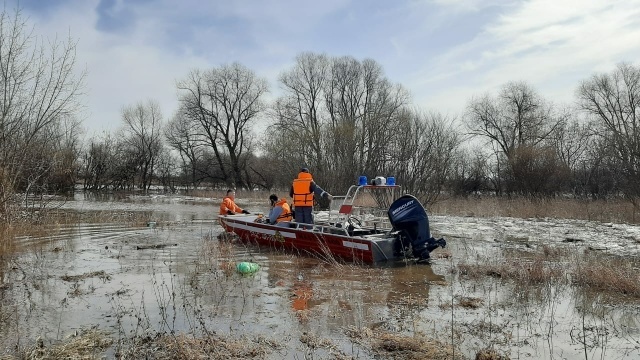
(171,274)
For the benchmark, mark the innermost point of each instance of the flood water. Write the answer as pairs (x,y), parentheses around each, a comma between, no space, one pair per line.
(171,274)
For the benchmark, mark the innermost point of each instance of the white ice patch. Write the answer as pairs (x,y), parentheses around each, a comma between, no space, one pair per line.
(621,239)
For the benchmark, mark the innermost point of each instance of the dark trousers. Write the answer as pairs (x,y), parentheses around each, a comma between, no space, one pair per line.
(304,214)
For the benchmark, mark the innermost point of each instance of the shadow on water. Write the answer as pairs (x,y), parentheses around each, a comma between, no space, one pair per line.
(172,275)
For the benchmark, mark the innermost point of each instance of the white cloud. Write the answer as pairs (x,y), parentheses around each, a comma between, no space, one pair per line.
(458,6)
(122,69)
(551,44)
(443,51)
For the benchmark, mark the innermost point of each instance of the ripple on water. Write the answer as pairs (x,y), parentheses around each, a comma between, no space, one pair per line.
(178,276)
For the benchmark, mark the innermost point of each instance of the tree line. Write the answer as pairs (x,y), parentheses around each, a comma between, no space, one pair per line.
(339,116)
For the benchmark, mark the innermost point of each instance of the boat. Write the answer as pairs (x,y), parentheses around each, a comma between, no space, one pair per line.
(370,226)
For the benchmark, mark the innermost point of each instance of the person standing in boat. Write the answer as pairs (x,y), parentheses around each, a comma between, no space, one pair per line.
(280,210)
(303,191)
(228,206)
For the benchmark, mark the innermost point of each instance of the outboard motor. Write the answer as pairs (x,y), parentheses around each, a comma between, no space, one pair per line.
(409,218)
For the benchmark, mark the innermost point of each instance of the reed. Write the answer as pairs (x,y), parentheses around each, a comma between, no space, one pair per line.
(619,276)
(528,272)
(215,347)
(490,354)
(607,275)
(84,344)
(612,210)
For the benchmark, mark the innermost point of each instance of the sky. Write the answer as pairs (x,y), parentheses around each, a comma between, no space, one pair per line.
(444,52)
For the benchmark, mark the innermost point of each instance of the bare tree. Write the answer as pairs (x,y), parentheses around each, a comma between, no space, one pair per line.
(614,101)
(598,175)
(536,170)
(225,102)
(470,172)
(364,108)
(343,118)
(300,113)
(572,141)
(338,115)
(38,90)
(142,134)
(98,163)
(180,134)
(424,154)
(517,118)
(167,170)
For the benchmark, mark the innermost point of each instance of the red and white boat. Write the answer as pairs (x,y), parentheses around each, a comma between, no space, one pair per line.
(371,226)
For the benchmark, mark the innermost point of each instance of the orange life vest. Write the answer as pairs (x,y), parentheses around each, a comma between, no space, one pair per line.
(285,215)
(302,194)
(229,204)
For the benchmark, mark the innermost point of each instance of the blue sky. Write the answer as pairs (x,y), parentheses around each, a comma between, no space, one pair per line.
(443,51)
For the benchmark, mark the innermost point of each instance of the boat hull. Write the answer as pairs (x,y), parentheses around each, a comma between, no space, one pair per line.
(321,241)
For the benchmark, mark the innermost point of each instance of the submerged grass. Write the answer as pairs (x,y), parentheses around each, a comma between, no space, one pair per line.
(593,271)
(542,266)
(490,354)
(51,221)
(606,275)
(100,274)
(183,346)
(88,344)
(387,345)
(93,343)
(528,272)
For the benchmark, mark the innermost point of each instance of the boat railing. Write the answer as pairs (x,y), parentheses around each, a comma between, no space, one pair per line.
(341,228)
(320,227)
(363,216)
(363,205)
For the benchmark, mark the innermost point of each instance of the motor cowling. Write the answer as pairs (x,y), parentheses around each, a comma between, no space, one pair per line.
(409,218)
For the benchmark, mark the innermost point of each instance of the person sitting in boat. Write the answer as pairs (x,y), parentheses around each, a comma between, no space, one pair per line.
(229,207)
(302,191)
(280,210)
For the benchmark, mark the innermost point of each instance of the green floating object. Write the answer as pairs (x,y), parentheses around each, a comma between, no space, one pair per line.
(247,267)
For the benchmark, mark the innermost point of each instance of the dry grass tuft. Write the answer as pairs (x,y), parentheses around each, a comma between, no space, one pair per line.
(394,346)
(597,272)
(540,268)
(188,347)
(470,302)
(8,232)
(70,216)
(438,282)
(228,236)
(52,220)
(99,274)
(554,252)
(490,354)
(616,276)
(315,342)
(89,344)
(614,210)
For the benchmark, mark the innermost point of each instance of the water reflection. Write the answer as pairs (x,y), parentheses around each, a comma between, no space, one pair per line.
(410,284)
(115,276)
